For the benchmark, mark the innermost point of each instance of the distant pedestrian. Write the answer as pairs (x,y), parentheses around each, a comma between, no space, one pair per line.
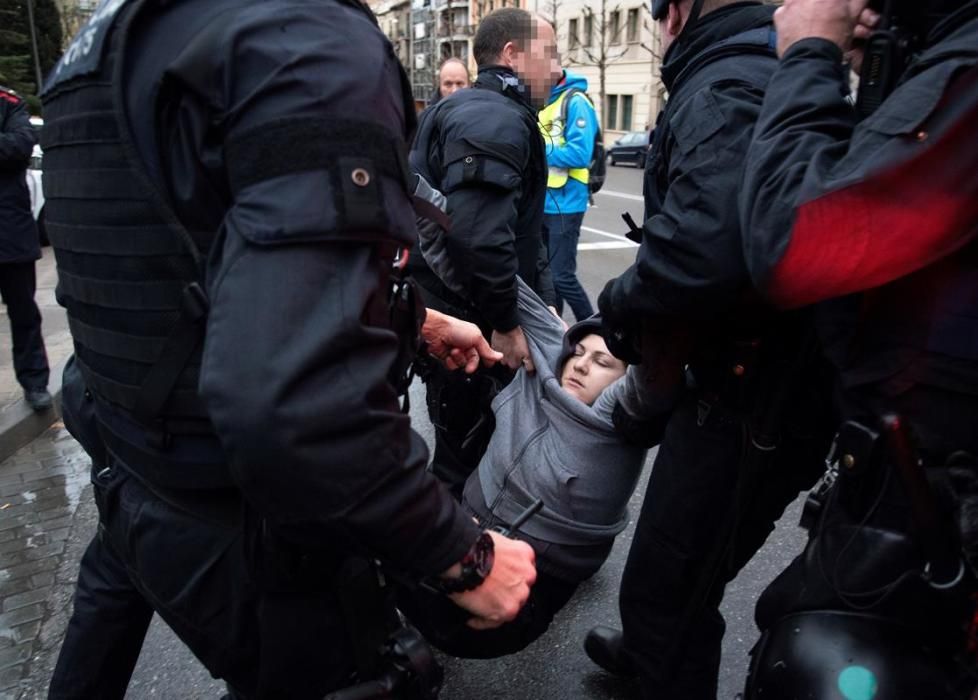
(569,125)
(452,76)
(19,249)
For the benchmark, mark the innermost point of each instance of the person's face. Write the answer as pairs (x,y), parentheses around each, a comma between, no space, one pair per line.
(590,369)
(452,77)
(538,64)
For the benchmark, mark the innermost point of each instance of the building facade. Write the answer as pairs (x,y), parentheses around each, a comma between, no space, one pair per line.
(616,46)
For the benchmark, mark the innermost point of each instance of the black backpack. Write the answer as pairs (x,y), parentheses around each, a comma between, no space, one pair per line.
(598,168)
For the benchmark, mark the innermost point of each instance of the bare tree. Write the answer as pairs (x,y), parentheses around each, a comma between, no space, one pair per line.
(549,10)
(654,49)
(602,42)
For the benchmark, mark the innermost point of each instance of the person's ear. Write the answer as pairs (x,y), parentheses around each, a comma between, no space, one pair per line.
(675,19)
(508,54)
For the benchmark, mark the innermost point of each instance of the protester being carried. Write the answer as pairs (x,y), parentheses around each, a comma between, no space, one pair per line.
(555,440)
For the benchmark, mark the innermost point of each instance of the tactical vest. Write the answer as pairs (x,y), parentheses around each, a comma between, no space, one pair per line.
(128,270)
(130,273)
(748,58)
(553,119)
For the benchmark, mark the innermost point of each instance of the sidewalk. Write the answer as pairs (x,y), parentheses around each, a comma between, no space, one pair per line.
(18,423)
(43,472)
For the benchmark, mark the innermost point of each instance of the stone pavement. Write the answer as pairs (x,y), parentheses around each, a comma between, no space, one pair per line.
(41,484)
(41,489)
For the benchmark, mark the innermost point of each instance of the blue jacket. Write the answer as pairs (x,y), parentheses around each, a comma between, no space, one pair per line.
(576,152)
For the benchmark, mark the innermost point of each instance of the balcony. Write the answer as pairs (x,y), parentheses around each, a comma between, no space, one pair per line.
(459,30)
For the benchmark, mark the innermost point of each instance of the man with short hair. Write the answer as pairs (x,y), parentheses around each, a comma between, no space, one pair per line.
(482,148)
(569,125)
(746,434)
(452,75)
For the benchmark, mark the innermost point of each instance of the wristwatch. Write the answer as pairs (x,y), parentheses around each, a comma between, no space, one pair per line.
(476,565)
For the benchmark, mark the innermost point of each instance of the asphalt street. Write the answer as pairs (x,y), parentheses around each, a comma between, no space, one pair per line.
(554,667)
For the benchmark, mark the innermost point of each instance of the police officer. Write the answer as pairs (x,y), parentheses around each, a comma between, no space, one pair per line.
(875,216)
(732,455)
(19,248)
(482,148)
(570,126)
(227,189)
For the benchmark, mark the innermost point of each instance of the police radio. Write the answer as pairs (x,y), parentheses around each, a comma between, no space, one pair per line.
(887,52)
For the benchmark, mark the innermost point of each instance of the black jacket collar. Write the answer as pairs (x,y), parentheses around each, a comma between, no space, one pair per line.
(711,28)
(504,81)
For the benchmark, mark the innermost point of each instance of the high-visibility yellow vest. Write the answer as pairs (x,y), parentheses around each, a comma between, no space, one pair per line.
(552,126)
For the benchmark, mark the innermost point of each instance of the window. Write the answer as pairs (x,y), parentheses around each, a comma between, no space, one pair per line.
(632,31)
(572,39)
(612,110)
(614,27)
(626,112)
(588,29)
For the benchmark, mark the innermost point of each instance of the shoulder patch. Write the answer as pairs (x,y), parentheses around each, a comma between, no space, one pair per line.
(84,54)
(581,122)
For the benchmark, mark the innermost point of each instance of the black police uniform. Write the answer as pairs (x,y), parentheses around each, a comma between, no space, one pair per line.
(867,593)
(708,480)
(19,246)
(235,171)
(482,148)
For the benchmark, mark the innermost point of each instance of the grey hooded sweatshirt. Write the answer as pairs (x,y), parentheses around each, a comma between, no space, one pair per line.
(550,445)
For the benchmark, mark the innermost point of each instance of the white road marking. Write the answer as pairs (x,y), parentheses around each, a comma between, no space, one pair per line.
(608,234)
(621,195)
(605,245)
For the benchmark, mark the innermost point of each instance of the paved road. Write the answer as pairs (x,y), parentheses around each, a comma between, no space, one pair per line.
(555,666)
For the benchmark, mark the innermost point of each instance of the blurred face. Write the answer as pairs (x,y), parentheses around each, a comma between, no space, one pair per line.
(452,77)
(590,369)
(537,65)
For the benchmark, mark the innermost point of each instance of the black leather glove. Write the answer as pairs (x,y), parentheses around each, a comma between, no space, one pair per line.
(622,331)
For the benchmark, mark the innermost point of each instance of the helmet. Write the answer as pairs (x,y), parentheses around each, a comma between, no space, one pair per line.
(830,654)
(659,9)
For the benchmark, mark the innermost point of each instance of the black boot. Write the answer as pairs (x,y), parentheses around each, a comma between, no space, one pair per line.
(603,646)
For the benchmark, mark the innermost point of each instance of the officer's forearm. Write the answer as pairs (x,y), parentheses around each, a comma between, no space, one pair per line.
(314,434)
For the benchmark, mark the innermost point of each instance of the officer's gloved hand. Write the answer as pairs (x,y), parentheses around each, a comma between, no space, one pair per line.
(652,389)
(622,331)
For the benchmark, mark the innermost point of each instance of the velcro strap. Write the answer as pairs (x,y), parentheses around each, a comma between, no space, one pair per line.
(79,128)
(137,296)
(135,348)
(184,403)
(298,144)
(128,241)
(465,148)
(94,184)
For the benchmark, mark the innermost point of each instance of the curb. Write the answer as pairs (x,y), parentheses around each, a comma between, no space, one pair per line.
(19,425)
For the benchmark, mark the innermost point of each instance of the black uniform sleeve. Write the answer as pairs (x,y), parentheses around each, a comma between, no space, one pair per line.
(484,154)
(802,134)
(298,348)
(689,264)
(17,136)
(482,248)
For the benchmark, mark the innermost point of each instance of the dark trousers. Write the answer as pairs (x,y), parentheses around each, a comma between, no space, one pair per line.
(691,494)
(459,406)
(194,571)
(562,232)
(443,623)
(17,287)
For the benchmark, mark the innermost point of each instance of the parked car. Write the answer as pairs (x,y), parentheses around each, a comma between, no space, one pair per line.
(633,147)
(34,183)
